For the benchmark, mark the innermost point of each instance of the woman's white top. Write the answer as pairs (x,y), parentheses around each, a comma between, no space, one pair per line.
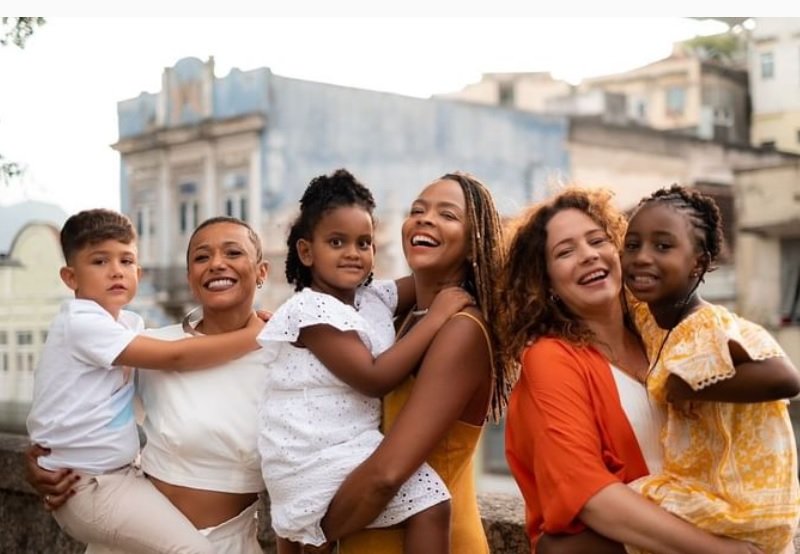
(314,429)
(646,418)
(201,425)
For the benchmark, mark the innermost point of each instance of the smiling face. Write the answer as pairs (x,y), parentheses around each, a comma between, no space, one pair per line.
(105,272)
(660,255)
(341,252)
(224,267)
(582,263)
(435,231)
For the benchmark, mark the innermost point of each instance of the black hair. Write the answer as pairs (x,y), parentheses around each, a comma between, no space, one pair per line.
(251,234)
(703,215)
(323,193)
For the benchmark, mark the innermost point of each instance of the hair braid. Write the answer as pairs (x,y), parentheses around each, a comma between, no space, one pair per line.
(486,257)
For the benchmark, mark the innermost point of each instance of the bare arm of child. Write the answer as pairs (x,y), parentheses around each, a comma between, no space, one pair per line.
(346,356)
(755,381)
(191,352)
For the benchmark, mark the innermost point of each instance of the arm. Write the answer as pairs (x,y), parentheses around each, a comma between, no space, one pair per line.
(406,294)
(755,381)
(345,355)
(191,353)
(620,514)
(448,381)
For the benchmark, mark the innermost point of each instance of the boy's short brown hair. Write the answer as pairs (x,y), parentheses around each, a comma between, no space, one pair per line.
(93,226)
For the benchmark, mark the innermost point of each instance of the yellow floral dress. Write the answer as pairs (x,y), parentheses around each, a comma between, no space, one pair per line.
(730,469)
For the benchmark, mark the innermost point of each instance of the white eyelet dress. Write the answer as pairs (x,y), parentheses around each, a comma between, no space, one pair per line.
(313,428)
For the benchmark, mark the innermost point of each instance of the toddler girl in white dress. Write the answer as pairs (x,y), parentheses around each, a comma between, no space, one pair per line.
(328,362)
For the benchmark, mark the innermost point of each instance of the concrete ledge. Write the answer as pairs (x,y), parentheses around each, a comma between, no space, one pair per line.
(25,528)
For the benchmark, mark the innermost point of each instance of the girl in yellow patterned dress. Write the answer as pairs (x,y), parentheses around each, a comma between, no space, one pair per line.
(730,461)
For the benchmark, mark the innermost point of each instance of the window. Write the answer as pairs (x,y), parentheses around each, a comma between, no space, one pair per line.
(798,135)
(641,110)
(790,281)
(676,100)
(4,361)
(3,338)
(188,208)
(767,65)
(43,336)
(505,94)
(768,144)
(24,338)
(234,195)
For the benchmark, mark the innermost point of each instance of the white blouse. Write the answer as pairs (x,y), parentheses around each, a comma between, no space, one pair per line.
(646,418)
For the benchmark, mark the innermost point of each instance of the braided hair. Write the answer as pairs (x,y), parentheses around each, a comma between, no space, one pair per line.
(703,215)
(486,258)
(324,193)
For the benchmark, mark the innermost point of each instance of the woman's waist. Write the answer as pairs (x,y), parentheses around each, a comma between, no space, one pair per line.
(205,508)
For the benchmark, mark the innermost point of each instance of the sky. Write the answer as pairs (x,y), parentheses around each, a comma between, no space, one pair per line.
(58,96)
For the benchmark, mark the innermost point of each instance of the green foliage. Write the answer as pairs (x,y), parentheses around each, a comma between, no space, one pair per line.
(8,170)
(17,30)
(724,47)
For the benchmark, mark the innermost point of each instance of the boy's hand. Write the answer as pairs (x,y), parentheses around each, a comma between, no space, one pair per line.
(54,486)
(450,301)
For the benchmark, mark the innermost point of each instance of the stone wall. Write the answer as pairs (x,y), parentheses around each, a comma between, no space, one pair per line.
(25,528)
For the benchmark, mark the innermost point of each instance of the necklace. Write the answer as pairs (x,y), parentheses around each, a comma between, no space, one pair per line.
(418,313)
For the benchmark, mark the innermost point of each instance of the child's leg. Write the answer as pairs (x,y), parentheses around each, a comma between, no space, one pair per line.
(123,509)
(285,546)
(428,531)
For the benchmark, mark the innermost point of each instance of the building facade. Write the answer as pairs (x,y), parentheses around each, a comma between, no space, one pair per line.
(768,256)
(31,292)
(248,143)
(685,94)
(774,64)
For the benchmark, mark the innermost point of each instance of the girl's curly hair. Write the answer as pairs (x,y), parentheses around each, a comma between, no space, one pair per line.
(323,193)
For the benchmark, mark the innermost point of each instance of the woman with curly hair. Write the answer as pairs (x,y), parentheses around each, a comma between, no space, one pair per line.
(579,424)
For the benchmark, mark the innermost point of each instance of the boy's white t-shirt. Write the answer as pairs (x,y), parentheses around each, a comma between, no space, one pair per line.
(82,404)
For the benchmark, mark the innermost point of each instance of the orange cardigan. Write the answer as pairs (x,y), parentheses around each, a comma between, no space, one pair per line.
(567,436)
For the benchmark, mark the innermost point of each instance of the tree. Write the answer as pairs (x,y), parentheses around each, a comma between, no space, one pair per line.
(16,31)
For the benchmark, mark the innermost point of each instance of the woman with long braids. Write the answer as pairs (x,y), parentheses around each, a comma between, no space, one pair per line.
(730,467)
(580,425)
(452,236)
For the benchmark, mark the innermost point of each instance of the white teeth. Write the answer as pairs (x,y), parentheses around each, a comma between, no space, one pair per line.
(219,284)
(422,240)
(643,279)
(593,275)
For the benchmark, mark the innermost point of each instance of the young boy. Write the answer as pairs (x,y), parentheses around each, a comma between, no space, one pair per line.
(83,392)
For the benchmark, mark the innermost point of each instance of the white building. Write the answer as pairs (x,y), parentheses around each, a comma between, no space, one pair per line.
(774,65)
(31,292)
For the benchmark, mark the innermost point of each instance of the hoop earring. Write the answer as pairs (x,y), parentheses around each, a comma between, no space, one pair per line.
(554,298)
(259,283)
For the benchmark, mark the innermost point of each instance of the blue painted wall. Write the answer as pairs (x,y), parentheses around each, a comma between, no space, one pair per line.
(395,144)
